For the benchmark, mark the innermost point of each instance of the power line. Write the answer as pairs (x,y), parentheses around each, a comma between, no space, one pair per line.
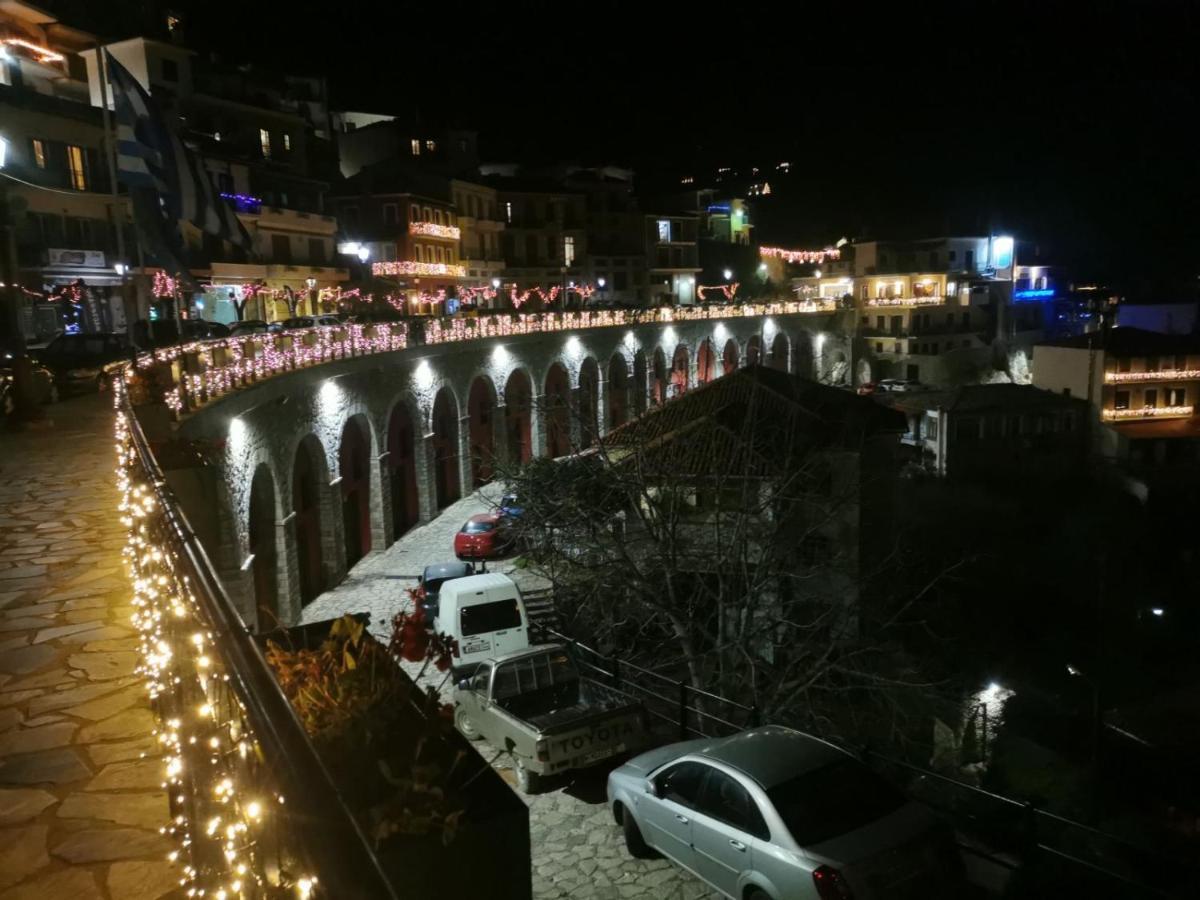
(41,187)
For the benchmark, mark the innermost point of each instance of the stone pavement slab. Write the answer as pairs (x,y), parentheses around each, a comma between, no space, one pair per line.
(79,808)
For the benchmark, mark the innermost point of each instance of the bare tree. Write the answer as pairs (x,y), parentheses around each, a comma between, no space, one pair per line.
(737,538)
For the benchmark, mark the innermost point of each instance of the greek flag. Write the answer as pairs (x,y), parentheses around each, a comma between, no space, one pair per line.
(151,155)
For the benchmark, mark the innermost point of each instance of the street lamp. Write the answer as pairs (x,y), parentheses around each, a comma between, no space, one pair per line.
(496,283)
(728,274)
(601,282)
(120,268)
(364,253)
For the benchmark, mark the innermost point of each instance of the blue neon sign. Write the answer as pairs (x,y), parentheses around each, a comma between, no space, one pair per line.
(1034,294)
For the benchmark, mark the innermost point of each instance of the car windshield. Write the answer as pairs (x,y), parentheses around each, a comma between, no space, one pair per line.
(478,527)
(832,801)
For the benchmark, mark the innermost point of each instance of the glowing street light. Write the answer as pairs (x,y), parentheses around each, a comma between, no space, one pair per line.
(728,274)
(496,284)
(601,282)
(364,253)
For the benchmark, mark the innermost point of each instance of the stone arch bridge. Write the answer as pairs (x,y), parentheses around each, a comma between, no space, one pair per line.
(322,465)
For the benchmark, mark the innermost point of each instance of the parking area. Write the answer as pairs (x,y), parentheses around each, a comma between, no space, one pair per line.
(578,850)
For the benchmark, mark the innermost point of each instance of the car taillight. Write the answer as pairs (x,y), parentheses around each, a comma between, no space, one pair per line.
(830,884)
(543,751)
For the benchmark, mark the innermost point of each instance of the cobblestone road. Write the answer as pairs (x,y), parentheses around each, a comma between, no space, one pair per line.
(578,850)
(79,807)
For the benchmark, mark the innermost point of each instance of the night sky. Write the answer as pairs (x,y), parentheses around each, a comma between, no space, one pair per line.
(1072,132)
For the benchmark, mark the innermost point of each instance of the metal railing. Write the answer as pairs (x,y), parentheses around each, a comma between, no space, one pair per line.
(1046,848)
(258,774)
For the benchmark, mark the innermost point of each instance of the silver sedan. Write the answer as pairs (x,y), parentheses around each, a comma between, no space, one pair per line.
(774,814)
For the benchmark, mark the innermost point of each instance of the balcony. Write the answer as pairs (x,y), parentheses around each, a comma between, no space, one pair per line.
(1148,412)
(432,229)
(1160,375)
(900,302)
(410,267)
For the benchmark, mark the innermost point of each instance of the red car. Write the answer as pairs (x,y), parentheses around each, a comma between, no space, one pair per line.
(483,536)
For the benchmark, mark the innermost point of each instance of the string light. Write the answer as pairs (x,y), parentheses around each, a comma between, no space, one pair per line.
(1160,375)
(45,54)
(432,229)
(1150,412)
(728,290)
(164,285)
(906,301)
(801,257)
(216,833)
(408,267)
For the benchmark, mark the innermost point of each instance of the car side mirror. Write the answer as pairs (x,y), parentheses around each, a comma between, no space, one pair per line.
(464,684)
(421,579)
(651,787)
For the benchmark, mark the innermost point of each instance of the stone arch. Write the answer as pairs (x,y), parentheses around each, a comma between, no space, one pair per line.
(443,417)
(639,382)
(863,372)
(518,416)
(658,392)
(481,416)
(777,356)
(729,357)
(402,467)
(803,361)
(839,368)
(263,533)
(754,351)
(313,518)
(557,400)
(618,391)
(354,472)
(680,364)
(706,362)
(589,401)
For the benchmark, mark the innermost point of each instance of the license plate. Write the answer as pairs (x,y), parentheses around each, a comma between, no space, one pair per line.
(598,755)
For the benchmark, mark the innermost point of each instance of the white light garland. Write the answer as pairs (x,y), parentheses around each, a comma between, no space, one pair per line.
(1150,412)
(409,267)
(432,229)
(907,301)
(1160,375)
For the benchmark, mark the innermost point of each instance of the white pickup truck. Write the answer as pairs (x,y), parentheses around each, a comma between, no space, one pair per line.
(535,704)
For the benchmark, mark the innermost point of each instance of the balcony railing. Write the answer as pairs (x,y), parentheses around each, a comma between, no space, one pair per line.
(432,229)
(1149,412)
(411,267)
(1160,375)
(254,811)
(908,301)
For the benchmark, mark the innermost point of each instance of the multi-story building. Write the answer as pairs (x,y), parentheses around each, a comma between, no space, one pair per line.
(985,431)
(1144,386)
(481,231)
(59,197)
(939,311)
(366,139)
(407,220)
(259,145)
(545,240)
(672,260)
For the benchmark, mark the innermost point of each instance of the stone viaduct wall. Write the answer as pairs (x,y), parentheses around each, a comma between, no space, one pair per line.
(321,462)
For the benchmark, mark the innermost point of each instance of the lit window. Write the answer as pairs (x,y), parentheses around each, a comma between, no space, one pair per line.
(568,250)
(264,138)
(664,231)
(77,164)
(39,153)
(431,146)
(416,147)
(287,141)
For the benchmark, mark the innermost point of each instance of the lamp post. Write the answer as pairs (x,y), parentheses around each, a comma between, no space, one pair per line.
(311,284)
(496,297)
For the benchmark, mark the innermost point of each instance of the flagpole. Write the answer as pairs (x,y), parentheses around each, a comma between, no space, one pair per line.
(115,208)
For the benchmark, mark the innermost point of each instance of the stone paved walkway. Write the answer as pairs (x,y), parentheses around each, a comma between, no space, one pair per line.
(79,808)
(578,850)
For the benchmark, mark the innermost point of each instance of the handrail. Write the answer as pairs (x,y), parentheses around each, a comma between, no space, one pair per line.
(316,816)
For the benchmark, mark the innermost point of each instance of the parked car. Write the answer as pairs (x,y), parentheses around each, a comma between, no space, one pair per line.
(201,329)
(328,321)
(510,506)
(899,385)
(248,326)
(434,577)
(83,362)
(486,617)
(299,322)
(867,388)
(44,388)
(772,813)
(535,704)
(484,536)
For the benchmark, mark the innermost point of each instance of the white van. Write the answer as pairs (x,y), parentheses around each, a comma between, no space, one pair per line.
(486,615)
